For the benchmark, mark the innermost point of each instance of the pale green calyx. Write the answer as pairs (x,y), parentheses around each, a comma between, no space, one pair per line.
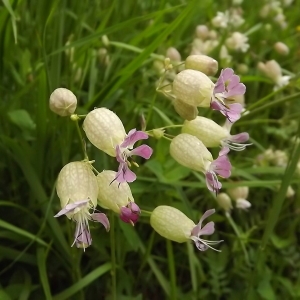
(193,87)
(104,130)
(206,130)
(190,152)
(112,194)
(171,224)
(186,111)
(63,102)
(202,63)
(77,182)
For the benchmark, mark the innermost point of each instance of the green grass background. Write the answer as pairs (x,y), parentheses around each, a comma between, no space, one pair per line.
(260,256)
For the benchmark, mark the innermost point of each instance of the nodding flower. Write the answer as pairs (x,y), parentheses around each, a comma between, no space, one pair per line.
(174,225)
(227,86)
(190,152)
(105,130)
(77,190)
(117,197)
(214,135)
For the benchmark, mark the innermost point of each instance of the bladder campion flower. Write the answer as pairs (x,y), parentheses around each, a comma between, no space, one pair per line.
(117,197)
(77,190)
(105,130)
(213,135)
(227,86)
(174,225)
(190,152)
(193,87)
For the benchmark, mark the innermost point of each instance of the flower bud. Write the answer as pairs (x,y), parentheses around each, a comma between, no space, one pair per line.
(202,63)
(193,87)
(202,32)
(243,204)
(281,48)
(224,201)
(240,192)
(206,130)
(186,111)
(190,152)
(76,181)
(171,224)
(63,102)
(271,69)
(158,133)
(111,194)
(290,192)
(104,130)
(173,54)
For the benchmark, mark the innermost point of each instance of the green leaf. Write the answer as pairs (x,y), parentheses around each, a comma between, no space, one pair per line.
(22,119)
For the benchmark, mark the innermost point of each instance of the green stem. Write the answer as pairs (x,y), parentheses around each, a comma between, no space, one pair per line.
(113,256)
(238,234)
(81,140)
(135,49)
(171,269)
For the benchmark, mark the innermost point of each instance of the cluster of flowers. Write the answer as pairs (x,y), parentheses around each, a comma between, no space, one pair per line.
(80,190)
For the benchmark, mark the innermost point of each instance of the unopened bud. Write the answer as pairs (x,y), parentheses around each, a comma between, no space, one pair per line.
(173,54)
(63,102)
(158,133)
(243,204)
(202,63)
(271,69)
(105,40)
(224,201)
(202,32)
(290,192)
(281,48)
(193,87)
(186,111)
(240,192)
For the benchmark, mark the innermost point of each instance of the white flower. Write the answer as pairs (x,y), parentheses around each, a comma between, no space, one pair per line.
(221,19)
(237,41)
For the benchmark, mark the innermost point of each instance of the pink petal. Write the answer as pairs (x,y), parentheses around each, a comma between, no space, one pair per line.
(130,214)
(240,138)
(144,151)
(82,236)
(212,182)
(224,151)
(132,137)
(221,166)
(101,218)
(124,174)
(70,207)
(119,155)
(208,229)
(227,74)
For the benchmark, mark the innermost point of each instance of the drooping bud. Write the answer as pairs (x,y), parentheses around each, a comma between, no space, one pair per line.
(202,32)
(158,133)
(173,54)
(202,63)
(240,192)
(243,204)
(104,130)
(193,87)
(281,48)
(186,111)
(224,201)
(63,102)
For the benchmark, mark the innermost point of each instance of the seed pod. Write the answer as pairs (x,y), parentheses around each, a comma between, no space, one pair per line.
(104,130)
(202,63)
(193,87)
(171,224)
(63,102)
